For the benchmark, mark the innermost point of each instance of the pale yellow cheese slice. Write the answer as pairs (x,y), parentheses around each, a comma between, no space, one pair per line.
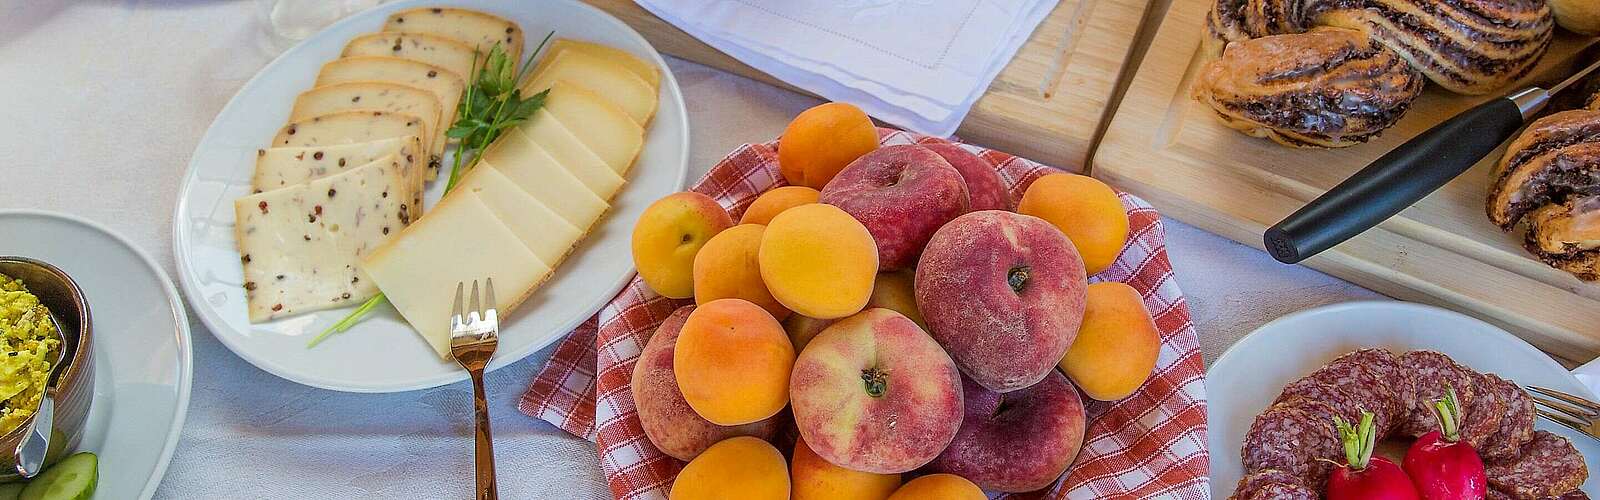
(608,79)
(446,85)
(377,96)
(601,125)
(474,28)
(556,188)
(516,146)
(560,142)
(458,242)
(284,167)
(638,65)
(437,50)
(542,230)
(347,127)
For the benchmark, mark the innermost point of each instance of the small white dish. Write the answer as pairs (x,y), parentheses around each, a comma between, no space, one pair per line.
(382,353)
(1246,378)
(143,362)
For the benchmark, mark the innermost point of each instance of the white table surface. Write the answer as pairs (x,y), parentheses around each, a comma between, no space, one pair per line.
(101,103)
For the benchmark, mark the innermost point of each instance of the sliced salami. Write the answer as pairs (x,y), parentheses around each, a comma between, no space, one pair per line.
(1482,417)
(1253,484)
(1283,491)
(1292,436)
(1351,383)
(1574,495)
(1547,466)
(1430,374)
(1495,494)
(1516,425)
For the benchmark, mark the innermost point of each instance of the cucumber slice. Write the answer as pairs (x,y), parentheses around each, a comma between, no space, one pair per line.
(11,491)
(71,479)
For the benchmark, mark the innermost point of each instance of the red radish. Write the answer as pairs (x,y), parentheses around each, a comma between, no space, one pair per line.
(1365,477)
(1442,465)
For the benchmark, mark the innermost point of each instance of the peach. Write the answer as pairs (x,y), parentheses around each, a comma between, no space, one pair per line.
(816,479)
(774,202)
(818,261)
(669,234)
(894,291)
(1016,441)
(726,267)
(820,141)
(902,194)
(984,186)
(1117,346)
(873,393)
(802,329)
(732,362)
(939,487)
(1003,293)
(1086,210)
(739,467)
(668,421)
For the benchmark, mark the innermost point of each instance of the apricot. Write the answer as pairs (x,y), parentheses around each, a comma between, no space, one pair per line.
(774,202)
(895,291)
(818,261)
(667,419)
(732,362)
(821,141)
(739,467)
(669,234)
(939,487)
(817,479)
(1086,210)
(726,267)
(1117,345)
(802,328)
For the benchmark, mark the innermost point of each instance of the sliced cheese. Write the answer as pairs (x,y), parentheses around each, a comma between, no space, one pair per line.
(560,142)
(557,189)
(284,167)
(458,242)
(474,28)
(432,49)
(610,80)
(638,65)
(300,245)
(346,127)
(376,96)
(517,147)
(541,230)
(446,85)
(601,125)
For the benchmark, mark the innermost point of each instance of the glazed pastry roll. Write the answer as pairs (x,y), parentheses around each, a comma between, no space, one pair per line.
(1550,177)
(1567,236)
(1466,46)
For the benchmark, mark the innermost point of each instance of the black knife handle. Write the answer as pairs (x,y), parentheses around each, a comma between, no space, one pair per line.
(1396,181)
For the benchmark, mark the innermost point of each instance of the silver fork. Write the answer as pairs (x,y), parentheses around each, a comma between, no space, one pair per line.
(473,338)
(1572,411)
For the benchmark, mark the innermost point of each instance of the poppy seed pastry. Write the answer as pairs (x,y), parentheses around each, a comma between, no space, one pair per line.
(1550,177)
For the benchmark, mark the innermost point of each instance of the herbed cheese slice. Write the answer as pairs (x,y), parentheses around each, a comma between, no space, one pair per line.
(439,51)
(542,230)
(515,146)
(283,167)
(601,125)
(557,189)
(560,142)
(610,80)
(347,127)
(443,83)
(458,242)
(638,65)
(474,28)
(300,245)
(376,96)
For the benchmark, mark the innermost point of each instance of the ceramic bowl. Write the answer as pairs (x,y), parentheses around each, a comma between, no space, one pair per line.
(72,383)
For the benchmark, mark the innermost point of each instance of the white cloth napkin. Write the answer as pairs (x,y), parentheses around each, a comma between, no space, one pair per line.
(1589,375)
(917,64)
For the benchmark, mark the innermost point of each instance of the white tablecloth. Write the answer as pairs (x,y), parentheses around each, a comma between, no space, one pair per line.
(101,104)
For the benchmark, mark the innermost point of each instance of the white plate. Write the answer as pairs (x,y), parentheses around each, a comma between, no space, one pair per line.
(1247,377)
(383,354)
(141,345)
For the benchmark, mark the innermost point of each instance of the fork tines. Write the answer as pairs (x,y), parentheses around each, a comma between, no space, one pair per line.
(476,322)
(1572,411)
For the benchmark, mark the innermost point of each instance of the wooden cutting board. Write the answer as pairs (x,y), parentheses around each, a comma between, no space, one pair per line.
(1169,149)
(1049,104)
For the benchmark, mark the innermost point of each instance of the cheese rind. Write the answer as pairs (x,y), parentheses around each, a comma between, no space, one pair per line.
(375,96)
(445,84)
(439,51)
(601,125)
(458,242)
(474,28)
(541,229)
(283,167)
(557,189)
(638,65)
(610,80)
(515,146)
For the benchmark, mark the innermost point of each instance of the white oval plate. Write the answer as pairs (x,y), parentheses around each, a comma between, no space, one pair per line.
(1247,377)
(382,353)
(141,345)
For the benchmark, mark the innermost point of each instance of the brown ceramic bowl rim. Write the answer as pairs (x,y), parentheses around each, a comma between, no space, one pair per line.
(84,336)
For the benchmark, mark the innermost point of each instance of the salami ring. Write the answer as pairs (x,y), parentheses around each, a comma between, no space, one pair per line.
(1547,466)
(1351,383)
(1252,486)
(1430,373)
(1292,436)
(1482,420)
(1516,426)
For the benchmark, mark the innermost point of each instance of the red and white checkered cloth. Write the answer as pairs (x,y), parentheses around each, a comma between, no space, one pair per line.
(1149,445)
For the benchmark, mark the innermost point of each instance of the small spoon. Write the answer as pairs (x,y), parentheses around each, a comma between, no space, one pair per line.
(30,453)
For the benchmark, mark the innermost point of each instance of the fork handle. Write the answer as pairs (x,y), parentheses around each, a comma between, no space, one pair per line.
(483,452)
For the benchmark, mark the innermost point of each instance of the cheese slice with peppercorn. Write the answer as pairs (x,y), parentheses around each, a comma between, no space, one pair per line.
(603,127)
(300,245)
(283,167)
(459,241)
(613,81)
(445,85)
(437,50)
(349,127)
(374,96)
(476,29)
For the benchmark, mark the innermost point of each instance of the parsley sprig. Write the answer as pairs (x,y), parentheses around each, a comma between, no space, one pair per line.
(491,105)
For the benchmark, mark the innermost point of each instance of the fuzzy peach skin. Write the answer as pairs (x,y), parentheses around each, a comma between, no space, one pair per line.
(984,186)
(873,393)
(741,467)
(902,194)
(774,202)
(1016,441)
(1004,294)
(726,267)
(1117,346)
(816,479)
(668,235)
(732,362)
(818,261)
(802,329)
(939,487)
(668,421)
